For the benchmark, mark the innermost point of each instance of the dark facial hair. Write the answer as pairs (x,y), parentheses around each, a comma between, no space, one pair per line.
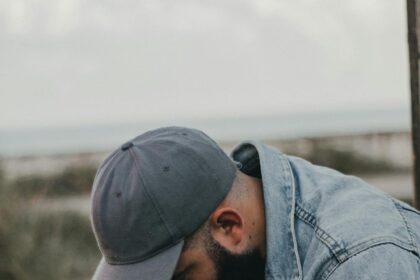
(229,266)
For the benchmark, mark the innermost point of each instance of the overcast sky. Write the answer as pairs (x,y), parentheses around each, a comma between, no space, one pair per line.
(73,62)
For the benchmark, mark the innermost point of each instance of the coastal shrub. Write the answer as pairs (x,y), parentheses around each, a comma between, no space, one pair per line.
(72,181)
(36,244)
(349,162)
(57,245)
(345,160)
(8,210)
(41,245)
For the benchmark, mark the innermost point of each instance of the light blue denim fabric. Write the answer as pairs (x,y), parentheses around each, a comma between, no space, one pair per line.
(321,224)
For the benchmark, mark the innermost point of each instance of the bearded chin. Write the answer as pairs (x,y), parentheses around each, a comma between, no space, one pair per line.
(246,266)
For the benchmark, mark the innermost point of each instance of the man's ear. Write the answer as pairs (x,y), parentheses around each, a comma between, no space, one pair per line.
(227,228)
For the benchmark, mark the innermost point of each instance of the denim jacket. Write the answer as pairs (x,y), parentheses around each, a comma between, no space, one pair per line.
(321,224)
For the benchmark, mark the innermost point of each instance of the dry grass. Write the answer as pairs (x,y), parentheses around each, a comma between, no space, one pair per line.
(72,181)
(43,244)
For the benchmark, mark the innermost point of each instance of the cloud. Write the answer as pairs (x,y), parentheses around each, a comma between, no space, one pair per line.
(102,61)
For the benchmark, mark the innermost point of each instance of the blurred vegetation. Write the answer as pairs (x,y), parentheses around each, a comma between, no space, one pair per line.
(72,181)
(345,161)
(37,244)
(349,162)
(77,180)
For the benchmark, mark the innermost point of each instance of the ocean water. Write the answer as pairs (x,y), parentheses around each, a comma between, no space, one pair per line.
(76,139)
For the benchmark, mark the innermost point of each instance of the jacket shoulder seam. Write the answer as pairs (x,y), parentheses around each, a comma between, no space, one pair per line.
(407,226)
(334,266)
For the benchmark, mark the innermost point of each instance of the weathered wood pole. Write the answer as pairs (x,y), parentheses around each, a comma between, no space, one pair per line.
(413,20)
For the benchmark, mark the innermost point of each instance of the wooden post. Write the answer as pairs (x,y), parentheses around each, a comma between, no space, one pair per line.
(413,19)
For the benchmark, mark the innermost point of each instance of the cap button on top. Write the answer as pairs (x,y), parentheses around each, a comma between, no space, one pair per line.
(127,146)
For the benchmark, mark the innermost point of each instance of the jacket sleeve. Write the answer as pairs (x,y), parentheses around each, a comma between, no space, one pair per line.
(382,262)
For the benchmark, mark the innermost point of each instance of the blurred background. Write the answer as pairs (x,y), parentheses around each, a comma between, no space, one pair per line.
(325,80)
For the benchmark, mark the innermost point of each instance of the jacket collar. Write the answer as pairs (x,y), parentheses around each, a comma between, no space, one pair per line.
(282,260)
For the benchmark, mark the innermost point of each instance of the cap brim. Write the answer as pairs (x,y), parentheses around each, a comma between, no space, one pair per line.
(159,267)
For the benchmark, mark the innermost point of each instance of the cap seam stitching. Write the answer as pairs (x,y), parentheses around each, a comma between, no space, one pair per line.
(107,169)
(150,195)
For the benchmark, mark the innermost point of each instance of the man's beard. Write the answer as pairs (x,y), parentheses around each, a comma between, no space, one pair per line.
(229,266)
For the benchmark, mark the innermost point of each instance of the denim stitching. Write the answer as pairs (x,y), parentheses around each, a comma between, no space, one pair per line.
(327,273)
(292,187)
(399,208)
(338,251)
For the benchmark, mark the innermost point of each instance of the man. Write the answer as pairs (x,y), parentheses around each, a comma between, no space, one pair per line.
(170,204)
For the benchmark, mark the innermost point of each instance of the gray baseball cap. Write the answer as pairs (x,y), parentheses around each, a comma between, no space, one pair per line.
(152,193)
